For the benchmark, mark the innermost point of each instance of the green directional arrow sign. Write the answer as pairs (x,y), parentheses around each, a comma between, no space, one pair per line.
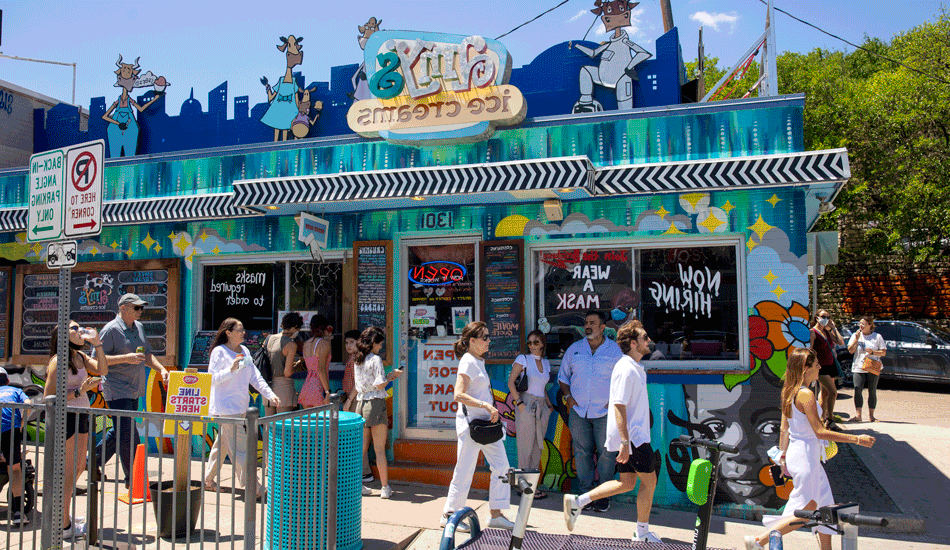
(46,189)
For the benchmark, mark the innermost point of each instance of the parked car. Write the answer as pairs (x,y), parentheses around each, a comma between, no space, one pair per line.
(915,351)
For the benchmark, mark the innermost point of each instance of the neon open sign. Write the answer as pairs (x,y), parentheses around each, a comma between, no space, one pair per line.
(437,273)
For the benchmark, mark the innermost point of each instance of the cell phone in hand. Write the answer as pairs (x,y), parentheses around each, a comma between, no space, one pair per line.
(778,478)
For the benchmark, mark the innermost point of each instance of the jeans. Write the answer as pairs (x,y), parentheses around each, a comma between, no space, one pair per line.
(126,431)
(588,436)
(865,380)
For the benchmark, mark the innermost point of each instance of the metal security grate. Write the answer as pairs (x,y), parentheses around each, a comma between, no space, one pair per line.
(498,539)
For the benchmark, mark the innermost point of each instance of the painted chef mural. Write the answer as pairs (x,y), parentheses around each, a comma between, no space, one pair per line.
(123,131)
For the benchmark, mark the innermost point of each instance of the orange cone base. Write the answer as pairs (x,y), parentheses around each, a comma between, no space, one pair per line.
(136,496)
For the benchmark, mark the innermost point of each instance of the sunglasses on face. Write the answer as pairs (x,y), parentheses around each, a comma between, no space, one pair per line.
(138,308)
(74,328)
(484,337)
(825,316)
(534,342)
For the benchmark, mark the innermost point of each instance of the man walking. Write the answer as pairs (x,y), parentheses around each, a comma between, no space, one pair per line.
(585,382)
(127,351)
(628,435)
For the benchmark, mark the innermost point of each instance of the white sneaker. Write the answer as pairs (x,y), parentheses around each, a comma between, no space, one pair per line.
(460,528)
(367,491)
(76,530)
(751,543)
(386,492)
(649,536)
(501,522)
(571,511)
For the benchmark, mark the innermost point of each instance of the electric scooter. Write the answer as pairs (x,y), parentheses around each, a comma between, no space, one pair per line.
(702,481)
(841,518)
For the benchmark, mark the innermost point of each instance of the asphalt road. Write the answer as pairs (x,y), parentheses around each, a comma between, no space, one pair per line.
(924,404)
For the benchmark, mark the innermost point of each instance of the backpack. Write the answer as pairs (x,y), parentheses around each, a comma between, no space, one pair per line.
(262,361)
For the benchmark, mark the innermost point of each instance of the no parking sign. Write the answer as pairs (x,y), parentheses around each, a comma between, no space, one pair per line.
(84,190)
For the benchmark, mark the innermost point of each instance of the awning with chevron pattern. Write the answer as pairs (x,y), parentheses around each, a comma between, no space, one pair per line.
(791,168)
(515,176)
(123,212)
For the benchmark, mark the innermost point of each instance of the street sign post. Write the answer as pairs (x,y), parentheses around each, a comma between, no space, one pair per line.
(83,198)
(46,183)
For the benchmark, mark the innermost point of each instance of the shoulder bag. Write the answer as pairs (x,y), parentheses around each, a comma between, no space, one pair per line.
(484,432)
(262,361)
(521,383)
(871,365)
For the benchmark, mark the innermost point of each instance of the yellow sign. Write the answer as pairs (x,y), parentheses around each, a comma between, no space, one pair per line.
(188,393)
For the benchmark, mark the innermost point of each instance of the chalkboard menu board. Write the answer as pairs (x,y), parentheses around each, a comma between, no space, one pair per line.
(502,277)
(5,281)
(245,292)
(374,289)
(201,345)
(94,292)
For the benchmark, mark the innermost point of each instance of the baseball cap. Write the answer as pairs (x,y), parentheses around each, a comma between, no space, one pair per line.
(4,379)
(132,299)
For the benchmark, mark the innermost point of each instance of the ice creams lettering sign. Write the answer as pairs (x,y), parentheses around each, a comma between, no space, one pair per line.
(431,87)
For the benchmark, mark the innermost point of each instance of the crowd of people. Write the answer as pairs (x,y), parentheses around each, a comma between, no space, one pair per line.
(603,385)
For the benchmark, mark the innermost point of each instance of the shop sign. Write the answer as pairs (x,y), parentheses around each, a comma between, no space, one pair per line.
(437,220)
(435,396)
(437,273)
(435,88)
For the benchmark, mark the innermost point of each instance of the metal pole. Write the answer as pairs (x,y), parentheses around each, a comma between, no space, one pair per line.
(74,86)
(48,62)
(814,276)
(250,478)
(333,451)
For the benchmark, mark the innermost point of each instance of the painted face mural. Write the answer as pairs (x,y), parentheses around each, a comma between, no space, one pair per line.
(748,417)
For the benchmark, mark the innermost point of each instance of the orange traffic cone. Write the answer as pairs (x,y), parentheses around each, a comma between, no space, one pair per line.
(139,491)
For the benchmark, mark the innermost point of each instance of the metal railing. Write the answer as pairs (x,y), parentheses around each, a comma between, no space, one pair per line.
(109,520)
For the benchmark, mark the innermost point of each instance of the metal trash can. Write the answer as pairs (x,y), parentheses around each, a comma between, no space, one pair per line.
(296,513)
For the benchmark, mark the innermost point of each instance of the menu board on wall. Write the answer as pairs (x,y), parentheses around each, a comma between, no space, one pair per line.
(5,281)
(502,277)
(374,289)
(245,292)
(94,292)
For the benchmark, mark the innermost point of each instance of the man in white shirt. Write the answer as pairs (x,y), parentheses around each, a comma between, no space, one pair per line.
(584,377)
(628,435)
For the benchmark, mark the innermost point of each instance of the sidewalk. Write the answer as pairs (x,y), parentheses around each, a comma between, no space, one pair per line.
(909,486)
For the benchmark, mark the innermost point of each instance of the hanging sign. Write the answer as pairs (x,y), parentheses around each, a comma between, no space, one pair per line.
(434,87)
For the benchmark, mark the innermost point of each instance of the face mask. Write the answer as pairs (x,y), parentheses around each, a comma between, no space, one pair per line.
(618,315)
(822,321)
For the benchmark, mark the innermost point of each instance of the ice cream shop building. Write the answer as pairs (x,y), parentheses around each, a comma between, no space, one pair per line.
(435,184)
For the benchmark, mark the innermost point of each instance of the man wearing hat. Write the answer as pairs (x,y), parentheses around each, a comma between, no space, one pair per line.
(11,443)
(121,339)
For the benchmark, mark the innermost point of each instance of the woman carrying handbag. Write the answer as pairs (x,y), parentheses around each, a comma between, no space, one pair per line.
(529,376)
(476,405)
(868,348)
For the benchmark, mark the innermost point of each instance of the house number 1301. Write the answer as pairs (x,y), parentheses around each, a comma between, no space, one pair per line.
(437,220)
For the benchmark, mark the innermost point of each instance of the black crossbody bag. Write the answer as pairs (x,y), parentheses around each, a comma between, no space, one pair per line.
(483,432)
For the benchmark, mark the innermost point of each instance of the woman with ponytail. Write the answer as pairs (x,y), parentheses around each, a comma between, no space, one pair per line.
(801,445)
(474,397)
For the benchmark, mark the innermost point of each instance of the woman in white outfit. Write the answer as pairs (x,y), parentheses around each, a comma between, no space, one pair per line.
(801,445)
(473,391)
(533,406)
(232,369)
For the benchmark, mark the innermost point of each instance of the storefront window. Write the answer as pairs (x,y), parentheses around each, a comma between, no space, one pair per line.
(687,297)
(690,302)
(441,288)
(316,288)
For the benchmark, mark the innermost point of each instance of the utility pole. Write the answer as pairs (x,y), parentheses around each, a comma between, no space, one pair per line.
(667,15)
(73,65)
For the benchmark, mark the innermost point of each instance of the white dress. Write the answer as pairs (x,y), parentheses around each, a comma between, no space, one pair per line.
(803,462)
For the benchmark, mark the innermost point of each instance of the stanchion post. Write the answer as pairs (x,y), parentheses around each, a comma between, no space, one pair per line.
(334,455)
(250,479)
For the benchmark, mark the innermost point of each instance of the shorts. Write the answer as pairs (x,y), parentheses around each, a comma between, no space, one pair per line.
(373,412)
(642,460)
(76,422)
(284,388)
(5,439)
(829,370)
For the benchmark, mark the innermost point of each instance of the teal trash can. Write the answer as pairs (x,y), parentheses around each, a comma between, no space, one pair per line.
(295,517)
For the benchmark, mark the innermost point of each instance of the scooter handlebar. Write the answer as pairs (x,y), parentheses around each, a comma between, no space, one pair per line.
(709,444)
(844,517)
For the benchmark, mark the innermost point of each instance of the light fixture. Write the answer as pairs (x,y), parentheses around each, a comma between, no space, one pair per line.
(553,210)
(271,207)
(418,198)
(824,206)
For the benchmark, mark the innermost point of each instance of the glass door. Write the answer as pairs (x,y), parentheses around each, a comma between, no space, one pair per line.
(439,297)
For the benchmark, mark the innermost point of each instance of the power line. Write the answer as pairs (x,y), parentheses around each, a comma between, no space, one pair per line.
(875,54)
(532,20)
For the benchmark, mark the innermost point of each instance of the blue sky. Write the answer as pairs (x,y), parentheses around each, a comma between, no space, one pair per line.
(201,44)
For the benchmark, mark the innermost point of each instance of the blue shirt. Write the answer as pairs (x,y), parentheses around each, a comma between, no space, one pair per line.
(588,375)
(9,394)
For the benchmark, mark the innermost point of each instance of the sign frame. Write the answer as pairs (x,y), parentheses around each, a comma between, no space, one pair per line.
(94,151)
(390,328)
(31,214)
(69,251)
